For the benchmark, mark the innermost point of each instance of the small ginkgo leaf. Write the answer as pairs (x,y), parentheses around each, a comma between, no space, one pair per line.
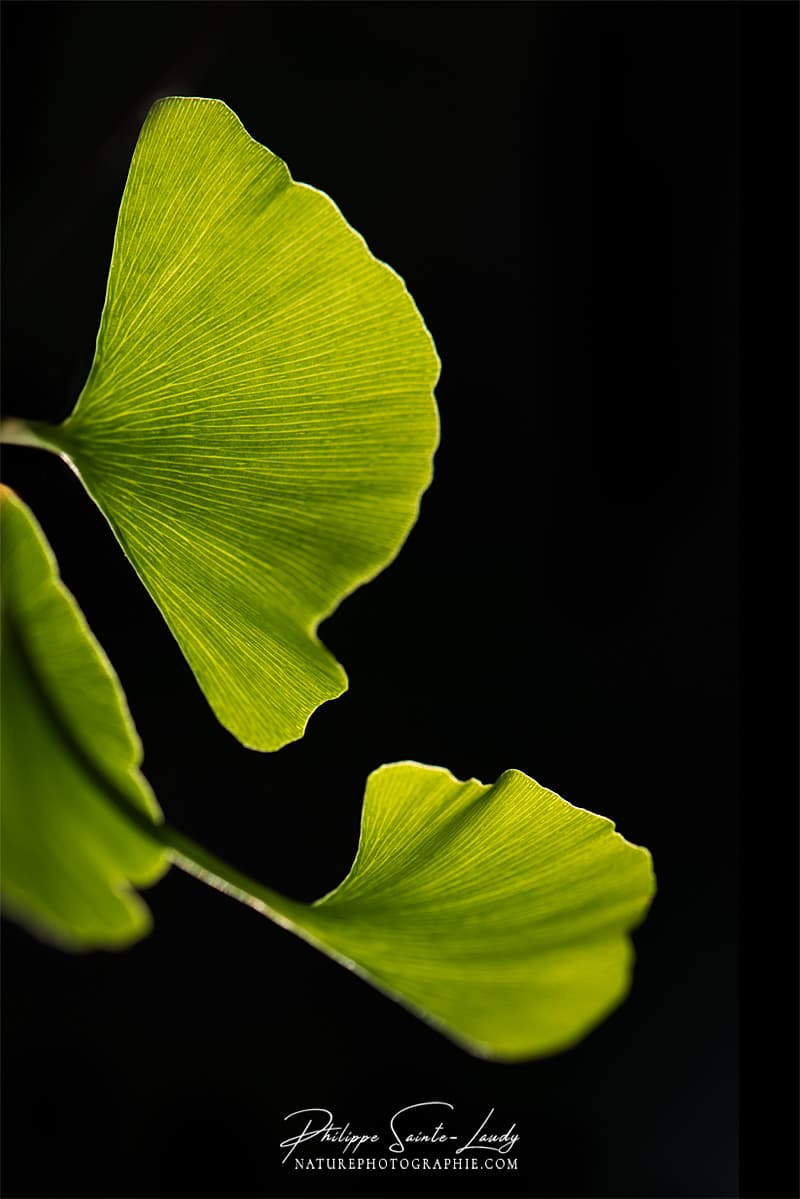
(498,913)
(74,809)
(258,424)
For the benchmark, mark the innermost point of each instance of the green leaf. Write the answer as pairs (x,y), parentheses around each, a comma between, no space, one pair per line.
(258,424)
(498,913)
(75,810)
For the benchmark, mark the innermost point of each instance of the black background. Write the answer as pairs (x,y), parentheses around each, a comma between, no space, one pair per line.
(559,186)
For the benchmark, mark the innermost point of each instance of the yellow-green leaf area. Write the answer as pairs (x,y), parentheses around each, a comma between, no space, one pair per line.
(498,913)
(74,808)
(258,425)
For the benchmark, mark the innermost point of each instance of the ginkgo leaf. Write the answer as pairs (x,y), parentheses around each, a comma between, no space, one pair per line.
(75,812)
(258,424)
(498,913)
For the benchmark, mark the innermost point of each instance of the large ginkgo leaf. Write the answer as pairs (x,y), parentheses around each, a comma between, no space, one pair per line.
(498,913)
(75,813)
(258,424)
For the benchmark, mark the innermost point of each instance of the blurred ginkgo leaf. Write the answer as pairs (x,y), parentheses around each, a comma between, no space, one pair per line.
(75,812)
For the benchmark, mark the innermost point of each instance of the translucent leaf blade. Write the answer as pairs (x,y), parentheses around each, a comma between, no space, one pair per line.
(258,425)
(499,913)
(69,856)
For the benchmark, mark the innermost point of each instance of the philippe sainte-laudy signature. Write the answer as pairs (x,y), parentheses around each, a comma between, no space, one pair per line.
(410,1128)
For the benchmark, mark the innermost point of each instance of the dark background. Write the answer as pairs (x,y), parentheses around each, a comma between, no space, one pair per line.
(559,186)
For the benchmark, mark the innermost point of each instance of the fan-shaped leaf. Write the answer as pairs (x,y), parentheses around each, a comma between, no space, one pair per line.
(498,913)
(258,424)
(75,809)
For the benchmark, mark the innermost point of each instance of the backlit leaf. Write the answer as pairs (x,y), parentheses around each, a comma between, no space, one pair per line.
(75,810)
(258,424)
(498,913)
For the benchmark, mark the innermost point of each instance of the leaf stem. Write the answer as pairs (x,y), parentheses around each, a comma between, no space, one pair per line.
(208,868)
(37,434)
